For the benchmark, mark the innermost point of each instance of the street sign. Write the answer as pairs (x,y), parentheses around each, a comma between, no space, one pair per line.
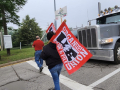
(61,13)
(7,41)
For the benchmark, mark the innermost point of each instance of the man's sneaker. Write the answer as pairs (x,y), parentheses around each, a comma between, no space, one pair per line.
(51,88)
(41,69)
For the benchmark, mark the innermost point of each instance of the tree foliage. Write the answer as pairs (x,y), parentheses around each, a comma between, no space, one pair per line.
(29,30)
(15,39)
(8,12)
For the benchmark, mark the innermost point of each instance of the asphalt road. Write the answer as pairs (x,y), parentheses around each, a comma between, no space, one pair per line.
(93,75)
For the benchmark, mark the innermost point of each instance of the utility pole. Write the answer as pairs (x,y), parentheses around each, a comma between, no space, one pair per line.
(2,47)
(1,40)
(55,10)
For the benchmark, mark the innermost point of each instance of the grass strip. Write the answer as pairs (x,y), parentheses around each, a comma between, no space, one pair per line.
(16,54)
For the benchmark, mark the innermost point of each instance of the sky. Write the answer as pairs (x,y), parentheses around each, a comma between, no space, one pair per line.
(78,11)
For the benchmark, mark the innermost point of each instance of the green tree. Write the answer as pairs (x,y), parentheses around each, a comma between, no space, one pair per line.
(8,13)
(28,30)
(15,39)
(11,30)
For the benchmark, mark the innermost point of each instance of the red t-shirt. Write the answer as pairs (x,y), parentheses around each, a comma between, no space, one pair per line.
(38,44)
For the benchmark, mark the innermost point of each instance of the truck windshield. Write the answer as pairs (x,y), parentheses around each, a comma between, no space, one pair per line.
(74,33)
(114,18)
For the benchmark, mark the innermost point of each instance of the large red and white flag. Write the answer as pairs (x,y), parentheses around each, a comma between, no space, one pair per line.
(51,28)
(71,51)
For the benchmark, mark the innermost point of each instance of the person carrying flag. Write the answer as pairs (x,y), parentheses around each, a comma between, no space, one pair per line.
(53,61)
(38,45)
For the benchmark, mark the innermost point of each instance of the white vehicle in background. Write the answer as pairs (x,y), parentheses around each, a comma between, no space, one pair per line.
(103,39)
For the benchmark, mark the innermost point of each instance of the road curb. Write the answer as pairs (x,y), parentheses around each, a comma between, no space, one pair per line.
(15,62)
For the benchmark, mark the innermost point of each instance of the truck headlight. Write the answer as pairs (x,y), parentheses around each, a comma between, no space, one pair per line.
(107,40)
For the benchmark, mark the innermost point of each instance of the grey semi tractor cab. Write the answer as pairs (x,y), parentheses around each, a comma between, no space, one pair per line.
(103,39)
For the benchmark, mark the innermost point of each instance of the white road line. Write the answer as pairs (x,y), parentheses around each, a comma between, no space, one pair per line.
(64,80)
(104,78)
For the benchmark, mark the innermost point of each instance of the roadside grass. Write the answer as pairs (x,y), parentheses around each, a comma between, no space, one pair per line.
(16,54)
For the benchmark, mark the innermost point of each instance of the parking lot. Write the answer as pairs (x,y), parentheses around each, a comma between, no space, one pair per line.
(93,75)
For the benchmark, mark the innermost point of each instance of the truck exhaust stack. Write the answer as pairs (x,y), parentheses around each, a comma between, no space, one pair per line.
(99,7)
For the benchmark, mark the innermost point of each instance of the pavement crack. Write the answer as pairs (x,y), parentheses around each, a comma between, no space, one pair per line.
(100,88)
(16,81)
(30,70)
(9,83)
(33,78)
(20,79)
(88,66)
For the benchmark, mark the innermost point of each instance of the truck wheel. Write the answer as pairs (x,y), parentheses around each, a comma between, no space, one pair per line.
(117,53)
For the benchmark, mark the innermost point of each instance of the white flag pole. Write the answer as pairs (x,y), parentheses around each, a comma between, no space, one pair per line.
(43,35)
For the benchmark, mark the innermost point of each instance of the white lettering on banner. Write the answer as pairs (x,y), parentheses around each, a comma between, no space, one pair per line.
(76,45)
(61,52)
(79,48)
(68,66)
(64,58)
(66,32)
(79,57)
(76,61)
(70,40)
(64,29)
(84,53)
(59,46)
(68,35)
(73,64)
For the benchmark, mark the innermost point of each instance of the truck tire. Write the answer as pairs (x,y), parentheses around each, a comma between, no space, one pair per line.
(117,53)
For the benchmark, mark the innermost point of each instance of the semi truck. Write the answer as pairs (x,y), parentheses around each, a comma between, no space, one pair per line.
(103,39)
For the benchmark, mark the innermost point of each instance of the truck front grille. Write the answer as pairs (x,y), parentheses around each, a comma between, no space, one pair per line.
(88,37)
